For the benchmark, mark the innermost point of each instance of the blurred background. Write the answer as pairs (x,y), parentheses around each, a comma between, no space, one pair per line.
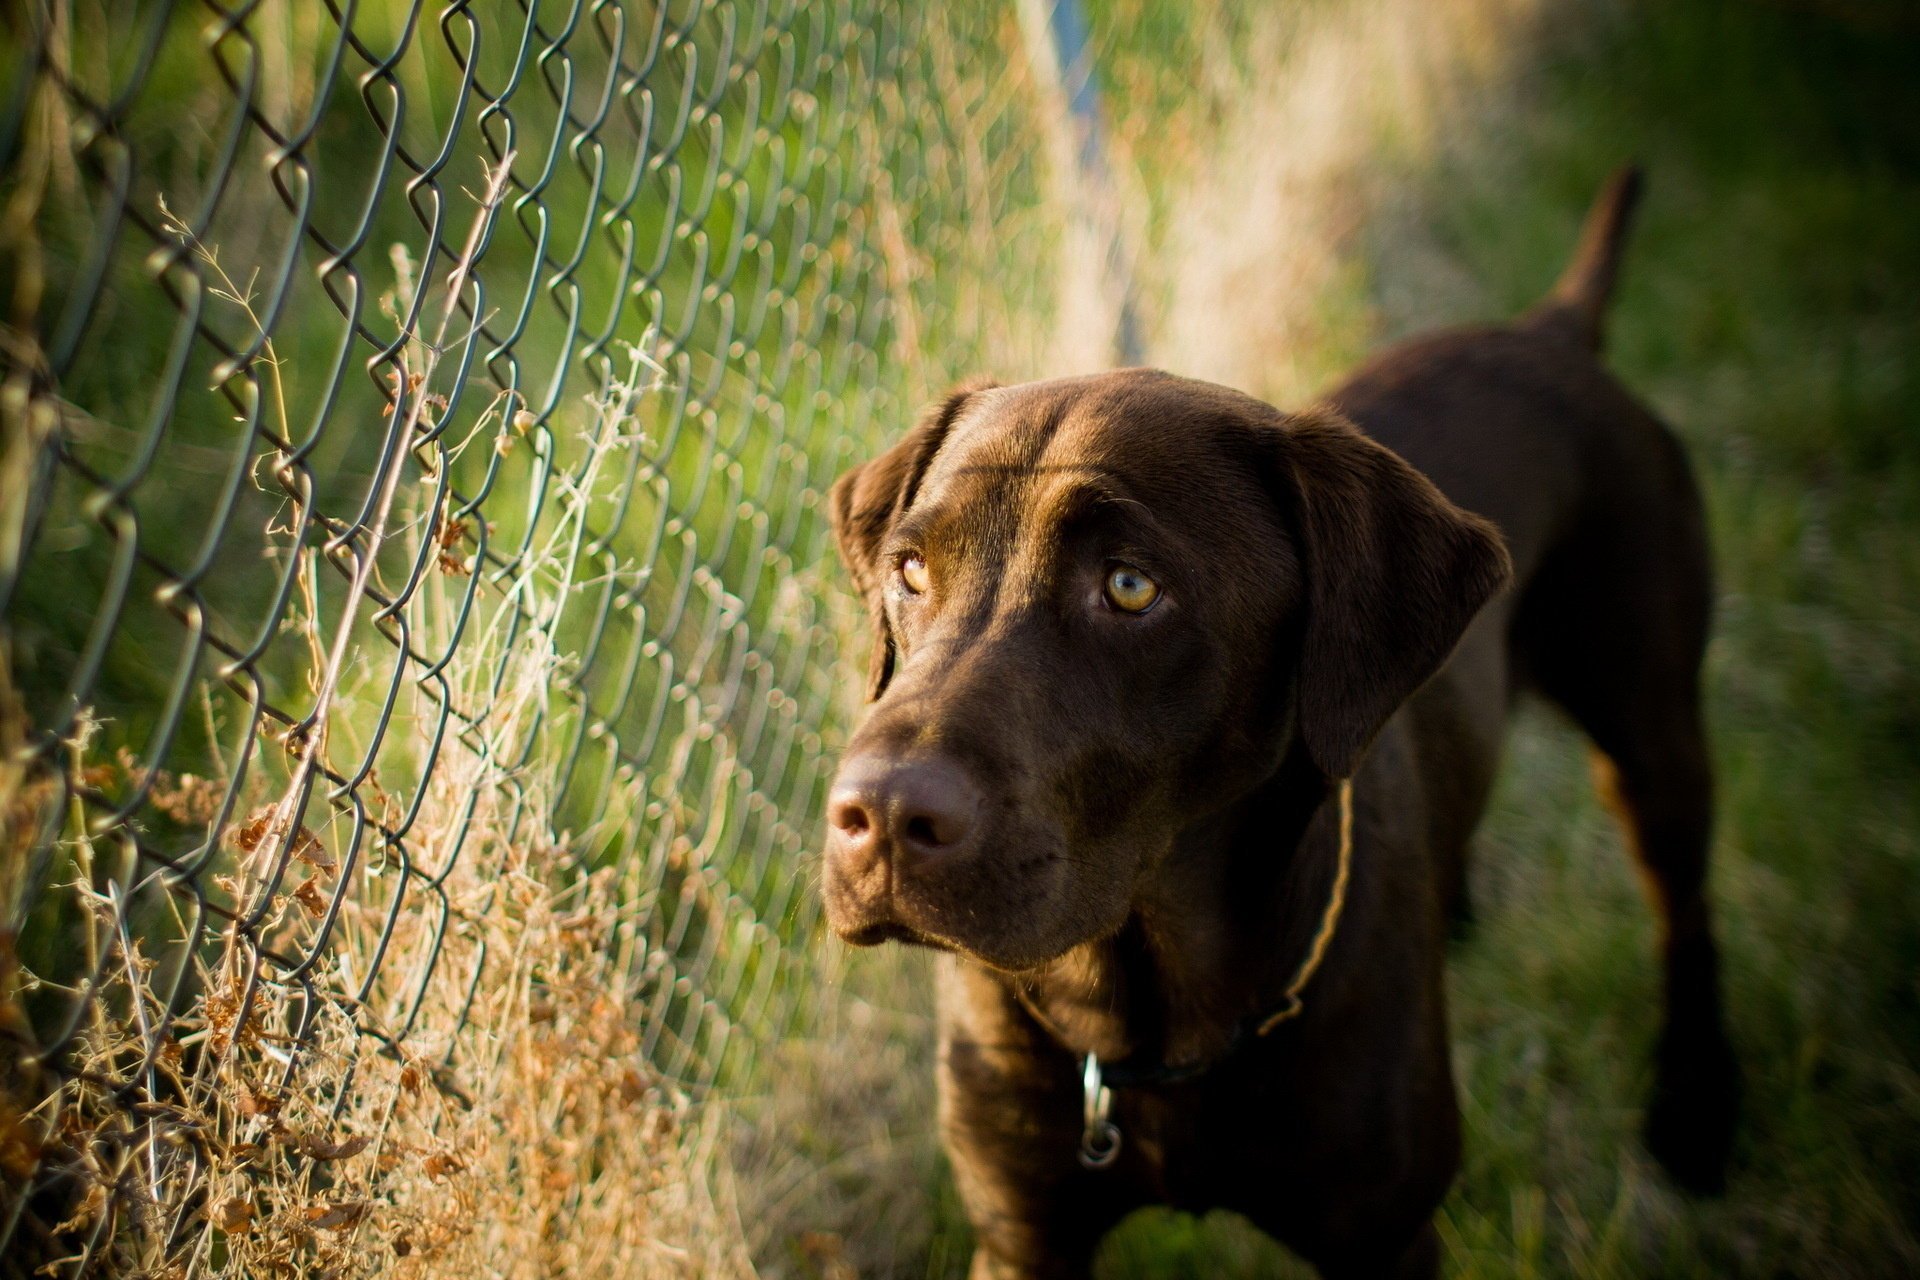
(423,655)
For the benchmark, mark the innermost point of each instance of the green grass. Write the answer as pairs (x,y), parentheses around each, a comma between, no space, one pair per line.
(1764,315)
(1771,311)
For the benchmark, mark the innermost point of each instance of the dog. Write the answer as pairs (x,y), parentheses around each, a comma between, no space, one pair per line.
(1184,710)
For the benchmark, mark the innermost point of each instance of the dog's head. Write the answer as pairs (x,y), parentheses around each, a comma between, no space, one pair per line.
(1104,608)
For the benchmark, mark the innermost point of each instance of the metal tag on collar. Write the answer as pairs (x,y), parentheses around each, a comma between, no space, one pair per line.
(1099,1135)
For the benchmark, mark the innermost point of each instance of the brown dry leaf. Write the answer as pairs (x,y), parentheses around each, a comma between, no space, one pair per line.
(258,1104)
(248,835)
(440,1166)
(234,1215)
(261,826)
(310,897)
(319,1148)
(307,848)
(336,1217)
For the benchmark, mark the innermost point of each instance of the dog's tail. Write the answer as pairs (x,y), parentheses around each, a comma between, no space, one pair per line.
(1578,301)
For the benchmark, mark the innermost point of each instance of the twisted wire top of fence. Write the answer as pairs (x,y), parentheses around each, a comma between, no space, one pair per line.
(418,644)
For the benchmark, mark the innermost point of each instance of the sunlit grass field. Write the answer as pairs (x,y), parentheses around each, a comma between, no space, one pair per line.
(1771,311)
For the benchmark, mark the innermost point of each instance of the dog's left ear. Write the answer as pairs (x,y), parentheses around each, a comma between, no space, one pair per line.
(1394,574)
(866,501)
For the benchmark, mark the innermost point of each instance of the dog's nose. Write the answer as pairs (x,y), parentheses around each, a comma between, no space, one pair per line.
(917,808)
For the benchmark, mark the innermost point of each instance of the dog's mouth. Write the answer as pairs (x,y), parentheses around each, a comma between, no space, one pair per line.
(880,931)
(996,903)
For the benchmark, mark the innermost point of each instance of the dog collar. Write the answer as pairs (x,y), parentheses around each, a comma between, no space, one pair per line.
(1099,1135)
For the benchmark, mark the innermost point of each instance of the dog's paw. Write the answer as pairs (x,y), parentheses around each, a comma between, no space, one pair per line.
(1695,1108)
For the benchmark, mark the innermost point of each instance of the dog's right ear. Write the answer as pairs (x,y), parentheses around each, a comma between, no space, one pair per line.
(864,504)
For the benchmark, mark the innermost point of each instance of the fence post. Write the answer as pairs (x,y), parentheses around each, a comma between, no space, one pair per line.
(1097,322)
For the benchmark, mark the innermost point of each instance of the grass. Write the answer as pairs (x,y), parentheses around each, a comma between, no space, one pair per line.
(458,1085)
(1316,179)
(455,1077)
(1769,312)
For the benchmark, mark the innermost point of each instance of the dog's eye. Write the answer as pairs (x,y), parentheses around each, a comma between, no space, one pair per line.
(1130,590)
(913,572)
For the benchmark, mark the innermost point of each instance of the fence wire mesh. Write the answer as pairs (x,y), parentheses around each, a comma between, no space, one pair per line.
(421,648)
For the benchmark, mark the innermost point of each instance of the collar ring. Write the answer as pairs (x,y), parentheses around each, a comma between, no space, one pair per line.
(1099,1135)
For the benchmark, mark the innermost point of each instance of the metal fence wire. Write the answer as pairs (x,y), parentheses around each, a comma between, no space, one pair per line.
(421,645)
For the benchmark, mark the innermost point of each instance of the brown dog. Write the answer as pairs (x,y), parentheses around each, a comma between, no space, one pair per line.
(1131,633)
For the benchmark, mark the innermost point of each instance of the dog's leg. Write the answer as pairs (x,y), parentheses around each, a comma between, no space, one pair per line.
(1652,769)
(1617,639)
(1036,1214)
(1663,801)
(1010,1118)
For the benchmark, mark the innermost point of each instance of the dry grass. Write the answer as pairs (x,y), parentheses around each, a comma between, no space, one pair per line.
(1258,265)
(452,1081)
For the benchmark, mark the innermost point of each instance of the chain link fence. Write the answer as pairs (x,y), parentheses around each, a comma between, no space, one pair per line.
(422,651)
